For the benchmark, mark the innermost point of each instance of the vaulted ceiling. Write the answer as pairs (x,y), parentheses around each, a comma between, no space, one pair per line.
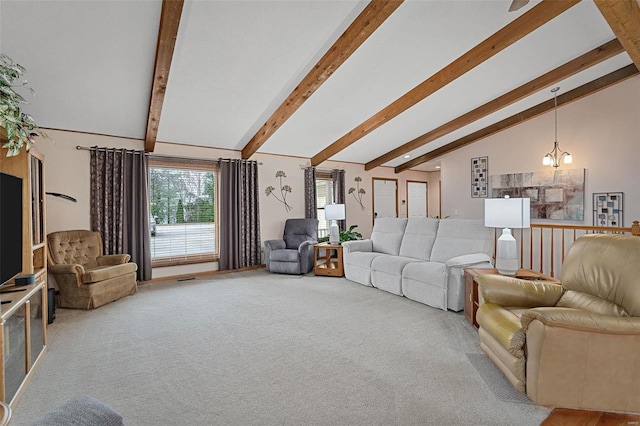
(343,80)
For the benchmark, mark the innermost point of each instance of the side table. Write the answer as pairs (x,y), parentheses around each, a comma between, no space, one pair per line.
(471,301)
(330,261)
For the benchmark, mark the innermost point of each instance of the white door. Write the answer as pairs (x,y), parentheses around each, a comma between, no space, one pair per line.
(416,199)
(385,200)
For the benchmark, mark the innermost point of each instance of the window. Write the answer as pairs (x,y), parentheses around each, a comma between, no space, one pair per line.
(324,195)
(183,205)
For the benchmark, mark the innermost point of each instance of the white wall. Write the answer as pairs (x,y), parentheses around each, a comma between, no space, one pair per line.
(601,131)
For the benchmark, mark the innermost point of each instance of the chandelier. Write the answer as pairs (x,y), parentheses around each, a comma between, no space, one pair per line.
(553,157)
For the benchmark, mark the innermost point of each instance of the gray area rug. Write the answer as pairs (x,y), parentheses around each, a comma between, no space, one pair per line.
(495,380)
(255,348)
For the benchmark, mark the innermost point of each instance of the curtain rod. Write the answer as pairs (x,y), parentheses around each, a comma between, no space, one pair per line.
(152,156)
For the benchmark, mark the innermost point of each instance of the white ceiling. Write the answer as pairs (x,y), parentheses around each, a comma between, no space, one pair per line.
(91,65)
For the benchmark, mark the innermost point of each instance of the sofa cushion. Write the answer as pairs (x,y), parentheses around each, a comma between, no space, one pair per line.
(357,266)
(387,235)
(457,237)
(588,302)
(426,282)
(386,272)
(102,273)
(285,255)
(419,236)
(293,241)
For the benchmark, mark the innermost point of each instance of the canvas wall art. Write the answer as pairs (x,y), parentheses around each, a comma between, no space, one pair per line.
(479,177)
(607,209)
(554,194)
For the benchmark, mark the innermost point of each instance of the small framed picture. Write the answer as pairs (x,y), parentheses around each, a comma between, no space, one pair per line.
(479,177)
(607,209)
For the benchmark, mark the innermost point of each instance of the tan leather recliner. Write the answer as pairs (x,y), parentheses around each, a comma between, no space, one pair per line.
(575,345)
(87,279)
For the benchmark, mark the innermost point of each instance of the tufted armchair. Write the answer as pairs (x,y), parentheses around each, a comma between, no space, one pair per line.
(87,279)
(575,345)
(293,254)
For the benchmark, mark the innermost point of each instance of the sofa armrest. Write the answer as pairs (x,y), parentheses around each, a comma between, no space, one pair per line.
(306,255)
(113,259)
(275,244)
(73,268)
(468,260)
(578,319)
(269,246)
(357,245)
(306,246)
(509,291)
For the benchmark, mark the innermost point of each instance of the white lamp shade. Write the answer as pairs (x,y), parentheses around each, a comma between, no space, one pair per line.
(334,211)
(507,212)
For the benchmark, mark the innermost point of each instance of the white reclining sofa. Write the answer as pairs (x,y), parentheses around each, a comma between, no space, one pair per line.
(420,258)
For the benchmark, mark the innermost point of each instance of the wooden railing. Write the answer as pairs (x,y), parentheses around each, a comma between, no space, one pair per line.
(543,247)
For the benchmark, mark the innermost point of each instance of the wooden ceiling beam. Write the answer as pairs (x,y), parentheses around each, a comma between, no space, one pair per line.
(571,96)
(623,16)
(167,34)
(376,12)
(589,59)
(505,37)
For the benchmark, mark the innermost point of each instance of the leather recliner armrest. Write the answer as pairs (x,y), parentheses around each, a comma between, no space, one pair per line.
(578,319)
(509,291)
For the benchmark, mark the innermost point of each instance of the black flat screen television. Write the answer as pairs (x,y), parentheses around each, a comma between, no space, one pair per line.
(10,227)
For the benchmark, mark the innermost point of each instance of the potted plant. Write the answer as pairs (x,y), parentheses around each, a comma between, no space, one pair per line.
(347,235)
(19,127)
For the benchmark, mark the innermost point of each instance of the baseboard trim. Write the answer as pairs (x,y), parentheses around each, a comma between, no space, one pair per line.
(198,274)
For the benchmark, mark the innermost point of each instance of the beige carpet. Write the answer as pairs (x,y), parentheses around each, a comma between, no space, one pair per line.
(254,348)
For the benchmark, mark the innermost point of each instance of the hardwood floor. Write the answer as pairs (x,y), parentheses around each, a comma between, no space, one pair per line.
(566,417)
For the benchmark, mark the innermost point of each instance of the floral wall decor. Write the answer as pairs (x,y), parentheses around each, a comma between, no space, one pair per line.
(358,192)
(284,190)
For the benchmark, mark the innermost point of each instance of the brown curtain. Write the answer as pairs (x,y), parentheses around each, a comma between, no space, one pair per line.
(310,201)
(339,197)
(239,215)
(120,204)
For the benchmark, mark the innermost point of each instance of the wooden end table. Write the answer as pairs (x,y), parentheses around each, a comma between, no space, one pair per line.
(471,301)
(329,263)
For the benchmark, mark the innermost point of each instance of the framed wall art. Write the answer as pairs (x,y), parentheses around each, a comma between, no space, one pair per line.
(554,194)
(607,209)
(479,177)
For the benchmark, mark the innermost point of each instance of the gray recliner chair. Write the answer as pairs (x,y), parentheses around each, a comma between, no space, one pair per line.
(293,254)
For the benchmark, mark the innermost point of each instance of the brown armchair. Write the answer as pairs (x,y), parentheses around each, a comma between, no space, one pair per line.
(575,345)
(87,279)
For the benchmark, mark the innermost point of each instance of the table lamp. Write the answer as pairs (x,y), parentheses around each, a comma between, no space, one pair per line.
(507,213)
(334,212)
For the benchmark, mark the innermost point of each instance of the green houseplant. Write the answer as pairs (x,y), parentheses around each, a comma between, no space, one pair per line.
(347,235)
(19,127)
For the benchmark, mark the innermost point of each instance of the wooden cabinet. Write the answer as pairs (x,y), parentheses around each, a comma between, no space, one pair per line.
(472,299)
(23,313)
(30,167)
(327,260)
(23,337)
